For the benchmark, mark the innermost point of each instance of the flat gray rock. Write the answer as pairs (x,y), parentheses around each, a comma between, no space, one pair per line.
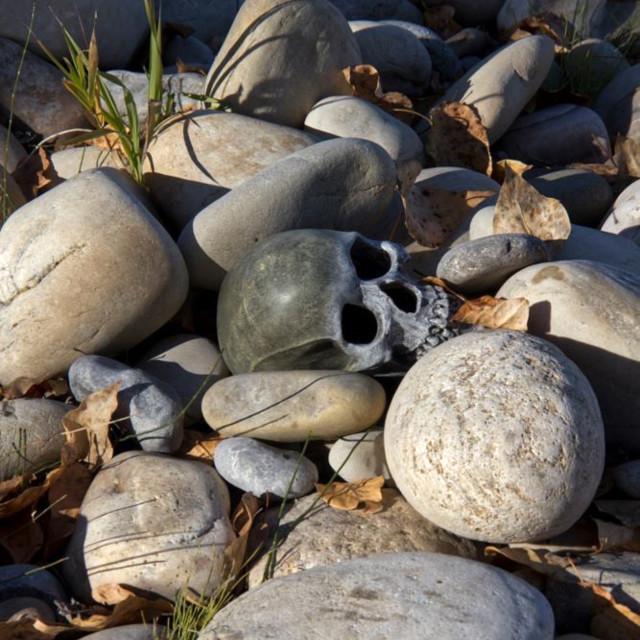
(344,184)
(279,58)
(201,157)
(618,104)
(396,595)
(148,408)
(207,19)
(31,434)
(480,266)
(77,249)
(288,406)
(624,217)
(496,436)
(253,466)
(590,310)
(172,514)
(504,82)
(325,535)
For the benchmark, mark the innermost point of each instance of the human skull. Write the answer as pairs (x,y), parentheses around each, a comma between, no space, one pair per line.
(318,299)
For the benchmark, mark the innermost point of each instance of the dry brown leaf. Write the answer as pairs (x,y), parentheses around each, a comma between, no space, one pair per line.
(438,282)
(458,138)
(13,486)
(617,537)
(540,560)
(499,169)
(347,496)
(30,388)
(181,67)
(364,80)
(495,313)
(608,170)
(199,446)
(626,511)
(522,209)
(627,157)
(432,214)
(21,537)
(35,174)
(87,428)
(28,629)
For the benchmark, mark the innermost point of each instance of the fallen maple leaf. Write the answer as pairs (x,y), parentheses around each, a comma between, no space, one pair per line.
(365,495)
(432,214)
(87,428)
(495,313)
(458,138)
(364,80)
(520,208)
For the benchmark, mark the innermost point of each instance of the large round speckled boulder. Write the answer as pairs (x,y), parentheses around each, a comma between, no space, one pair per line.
(413,596)
(496,436)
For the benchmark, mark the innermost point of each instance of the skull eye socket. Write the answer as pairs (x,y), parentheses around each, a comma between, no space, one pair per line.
(370,262)
(402,297)
(359,325)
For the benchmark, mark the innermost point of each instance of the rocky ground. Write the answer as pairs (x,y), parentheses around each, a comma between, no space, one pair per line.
(338,337)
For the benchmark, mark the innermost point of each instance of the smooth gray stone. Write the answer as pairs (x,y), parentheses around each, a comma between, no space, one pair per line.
(41,102)
(209,19)
(557,136)
(585,195)
(190,51)
(443,57)
(591,64)
(130,632)
(280,57)
(379,10)
(121,27)
(395,595)
(502,84)
(70,162)
(20,608)
(618,104)
(359,456)
(90,249)
(30,581)
(153,408)
(155,522)
(627,478)
(481,266)
(31,434)
(496,435)
(590,310)
(472,12)
(327,536)
(188,363)
(253,466)
(344,184)
(403,63)
(469,42)
(624,217)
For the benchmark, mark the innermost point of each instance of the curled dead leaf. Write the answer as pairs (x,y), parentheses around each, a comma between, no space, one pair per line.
(541,560)
(30,629)
(495,313)
(458,138)
(365,495)
(199,446)
(499,169)
(28,496)
(87,428)
(30,388)
(35,174)
(432,214)
(438,282)
(522,209)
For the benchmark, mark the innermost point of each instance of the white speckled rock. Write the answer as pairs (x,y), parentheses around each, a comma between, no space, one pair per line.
(285,406)
(590,310)
(148,408)
(253,466)
(350,117)
(171,513)
(31,434)
(624,217)
(496,436)
(360,456)
(627,477)
(344,184)
(280,57)
(200,157)
(413,596)
(502,84)
(77,250)
(186,362)
(578,135)
(327,535)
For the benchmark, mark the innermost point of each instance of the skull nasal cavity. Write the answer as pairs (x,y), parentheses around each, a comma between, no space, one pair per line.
(370,262)
(403,298)
(359,325)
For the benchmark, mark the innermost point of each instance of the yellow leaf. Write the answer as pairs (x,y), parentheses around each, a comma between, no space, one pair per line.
(495,313)
(458,138)
(431,213)
(347,496)
(87,427)
(522,209)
